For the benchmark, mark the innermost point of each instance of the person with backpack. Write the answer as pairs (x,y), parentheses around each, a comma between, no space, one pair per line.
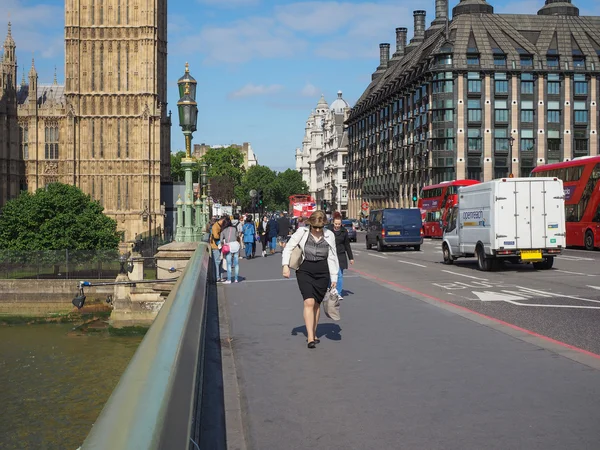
(249,231)
(230,247)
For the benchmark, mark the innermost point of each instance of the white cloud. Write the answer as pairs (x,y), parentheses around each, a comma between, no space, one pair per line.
(242,41)
(339,30)
(309,90)
(251,90)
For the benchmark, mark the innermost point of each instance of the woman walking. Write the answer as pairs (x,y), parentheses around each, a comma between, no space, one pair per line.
(262,232)
(318,271)
(342,243)
(230,238)
(249,235)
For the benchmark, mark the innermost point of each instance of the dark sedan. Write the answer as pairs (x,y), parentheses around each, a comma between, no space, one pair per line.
(348,225)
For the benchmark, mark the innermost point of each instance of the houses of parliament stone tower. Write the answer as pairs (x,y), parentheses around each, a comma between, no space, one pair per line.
(106,130)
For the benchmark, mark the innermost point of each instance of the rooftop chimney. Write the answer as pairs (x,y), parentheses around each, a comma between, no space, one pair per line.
(441,11)
(384,55)
(419,17)
(401,34)
(384,58)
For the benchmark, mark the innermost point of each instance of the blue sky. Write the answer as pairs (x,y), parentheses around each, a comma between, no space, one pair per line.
(261,65)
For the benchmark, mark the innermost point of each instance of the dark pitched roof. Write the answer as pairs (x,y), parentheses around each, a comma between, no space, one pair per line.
(513,35)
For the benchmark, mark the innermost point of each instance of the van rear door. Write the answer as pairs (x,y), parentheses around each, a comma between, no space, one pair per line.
(411,224)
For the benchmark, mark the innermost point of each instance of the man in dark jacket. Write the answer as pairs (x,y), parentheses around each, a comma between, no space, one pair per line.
(284,229)
(272,232)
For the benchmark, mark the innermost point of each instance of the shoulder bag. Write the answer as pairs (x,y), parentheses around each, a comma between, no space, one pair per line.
(331,305)
(296,258)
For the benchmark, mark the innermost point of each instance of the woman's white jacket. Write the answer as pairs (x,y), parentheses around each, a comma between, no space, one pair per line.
(300,237)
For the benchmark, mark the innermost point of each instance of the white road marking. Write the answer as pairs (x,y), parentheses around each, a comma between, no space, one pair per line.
(575,273)
(281,279)
(466,276)
(488,296)
(574,258)
(411,263)
(594,287)
(377,256)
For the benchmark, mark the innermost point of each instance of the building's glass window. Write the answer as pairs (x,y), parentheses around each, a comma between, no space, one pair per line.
(101,21)
(474,110)
(500,60)
(527,111)
(501,87)
(527,141)
(443,60)
(501,111)
(119,12)
(475,142)
(553,112)
(118,138)
(580,84)
(553,155)
(581,143)
(526,61)
(442,87)
(552,62)
(24,141)
(501,141)
(101,138)
(93,63)
(92,11)
(442,115)
(581,113)
(527,83)
(51,141)
(473,60)
(553,87)
(579,62)
(93,135)
(473,83)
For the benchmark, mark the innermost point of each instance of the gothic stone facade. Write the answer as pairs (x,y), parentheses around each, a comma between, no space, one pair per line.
(480,96)
(106,130)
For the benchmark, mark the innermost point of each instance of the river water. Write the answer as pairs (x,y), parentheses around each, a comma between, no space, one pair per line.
(53,385)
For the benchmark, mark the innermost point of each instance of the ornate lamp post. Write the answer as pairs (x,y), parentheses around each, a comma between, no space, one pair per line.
(188,118)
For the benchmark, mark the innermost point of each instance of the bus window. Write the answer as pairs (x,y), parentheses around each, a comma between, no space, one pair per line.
(597,215)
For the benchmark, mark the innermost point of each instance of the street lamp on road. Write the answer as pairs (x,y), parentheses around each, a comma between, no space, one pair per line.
(188,118)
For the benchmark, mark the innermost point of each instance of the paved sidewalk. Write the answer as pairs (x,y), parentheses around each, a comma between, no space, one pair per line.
(397,373)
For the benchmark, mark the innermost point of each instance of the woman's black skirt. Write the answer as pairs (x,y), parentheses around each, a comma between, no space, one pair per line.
(313,279)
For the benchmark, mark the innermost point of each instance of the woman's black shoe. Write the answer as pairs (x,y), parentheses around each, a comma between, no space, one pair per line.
(311,344)
(317,341)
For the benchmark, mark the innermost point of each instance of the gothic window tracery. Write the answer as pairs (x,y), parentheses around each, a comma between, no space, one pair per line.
(24,141)
(51,141)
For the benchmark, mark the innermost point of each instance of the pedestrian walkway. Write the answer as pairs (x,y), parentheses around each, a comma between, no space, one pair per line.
(397,373)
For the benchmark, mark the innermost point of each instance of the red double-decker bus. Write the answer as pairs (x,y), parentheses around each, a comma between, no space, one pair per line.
(302,205)
(435,202)
(580,178)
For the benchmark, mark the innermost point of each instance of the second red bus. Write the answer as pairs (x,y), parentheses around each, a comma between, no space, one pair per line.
(580,178)
(435,202)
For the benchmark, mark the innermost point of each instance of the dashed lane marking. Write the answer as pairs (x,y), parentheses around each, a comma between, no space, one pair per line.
(377,256)
(573,258)
(466,276)
(575,273)
(412,263)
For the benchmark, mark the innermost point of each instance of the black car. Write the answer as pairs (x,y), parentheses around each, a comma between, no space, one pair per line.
(348,225)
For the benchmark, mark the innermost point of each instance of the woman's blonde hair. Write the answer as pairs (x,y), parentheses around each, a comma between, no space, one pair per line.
(317,219)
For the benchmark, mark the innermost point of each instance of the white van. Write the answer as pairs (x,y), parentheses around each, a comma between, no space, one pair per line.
(514,219)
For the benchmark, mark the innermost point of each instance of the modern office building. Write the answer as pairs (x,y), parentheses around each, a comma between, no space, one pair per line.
(479,95)
(322,160)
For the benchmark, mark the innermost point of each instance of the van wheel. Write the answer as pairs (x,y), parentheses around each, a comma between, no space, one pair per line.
(417,248)
(380,247)
(368,243)
(447,257)
(589,240)
(545,264)
(484,264)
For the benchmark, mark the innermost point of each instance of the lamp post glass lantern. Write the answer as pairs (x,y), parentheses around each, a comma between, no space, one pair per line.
(187,109)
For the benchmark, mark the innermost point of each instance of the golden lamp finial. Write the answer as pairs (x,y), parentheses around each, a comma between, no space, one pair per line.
(187,68)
